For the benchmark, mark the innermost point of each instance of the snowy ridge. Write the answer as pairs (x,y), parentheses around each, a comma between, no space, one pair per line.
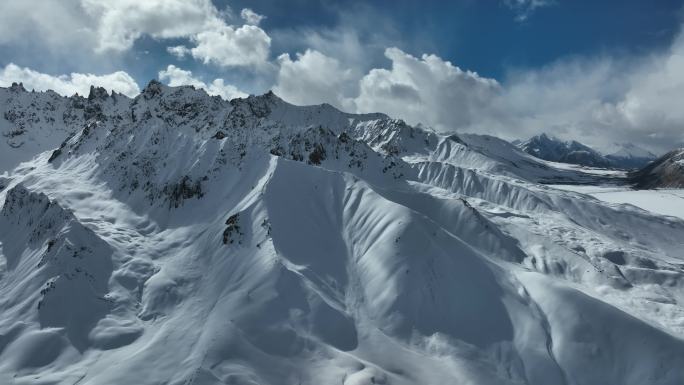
(33,122)
(256,242)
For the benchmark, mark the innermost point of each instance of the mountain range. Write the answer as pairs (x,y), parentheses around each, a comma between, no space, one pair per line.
(179,238)
(622,156)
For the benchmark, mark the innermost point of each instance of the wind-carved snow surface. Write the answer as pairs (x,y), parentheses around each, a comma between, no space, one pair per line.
(177,238)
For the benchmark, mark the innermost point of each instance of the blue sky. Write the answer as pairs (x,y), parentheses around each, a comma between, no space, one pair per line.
(485,36)
(513,68)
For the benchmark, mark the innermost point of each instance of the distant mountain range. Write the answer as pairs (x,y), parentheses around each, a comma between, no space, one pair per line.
(623,155)
(630,156)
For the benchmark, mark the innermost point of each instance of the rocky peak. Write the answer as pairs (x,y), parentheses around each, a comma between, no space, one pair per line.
(153,88)
(256,105)
(268,98)
(97,93)
(270,95)
(24,207)
(17,87)
(553,149)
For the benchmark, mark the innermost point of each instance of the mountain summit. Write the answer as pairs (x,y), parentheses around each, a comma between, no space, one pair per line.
(630,156)
(624,156)
(553,149)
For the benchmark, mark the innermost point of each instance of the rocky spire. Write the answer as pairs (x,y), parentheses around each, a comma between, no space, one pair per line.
(154,88)
(97,93)
(17,87)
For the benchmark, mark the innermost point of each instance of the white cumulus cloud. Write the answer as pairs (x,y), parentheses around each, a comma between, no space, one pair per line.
(56,23)
(179,51)
(121,22)
(228,46)
(68,84)
(70,27)
(314,78)
(426,89)
(175,76)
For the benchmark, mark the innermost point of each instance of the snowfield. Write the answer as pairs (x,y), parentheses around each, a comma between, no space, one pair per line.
(177,238)
(668,202)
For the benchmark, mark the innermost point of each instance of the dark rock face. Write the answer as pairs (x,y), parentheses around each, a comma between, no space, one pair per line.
(97,93)
(186,188)
(153,89)
(317,155)
(665,172)
(232,231)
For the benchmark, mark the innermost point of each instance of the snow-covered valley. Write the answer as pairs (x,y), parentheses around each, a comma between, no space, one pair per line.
(177,238)
(668,202)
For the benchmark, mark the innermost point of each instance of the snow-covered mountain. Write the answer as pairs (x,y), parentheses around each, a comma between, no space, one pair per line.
(178,238)
(666,171)
(625,156)
(555,150)
(630,156)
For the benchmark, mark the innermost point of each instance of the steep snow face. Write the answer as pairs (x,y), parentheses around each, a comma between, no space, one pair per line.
(556,150)
(55,282)
(664,172)
(179,238)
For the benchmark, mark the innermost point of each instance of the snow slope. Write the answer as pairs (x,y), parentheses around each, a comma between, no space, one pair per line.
(661,201)
(177,238)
